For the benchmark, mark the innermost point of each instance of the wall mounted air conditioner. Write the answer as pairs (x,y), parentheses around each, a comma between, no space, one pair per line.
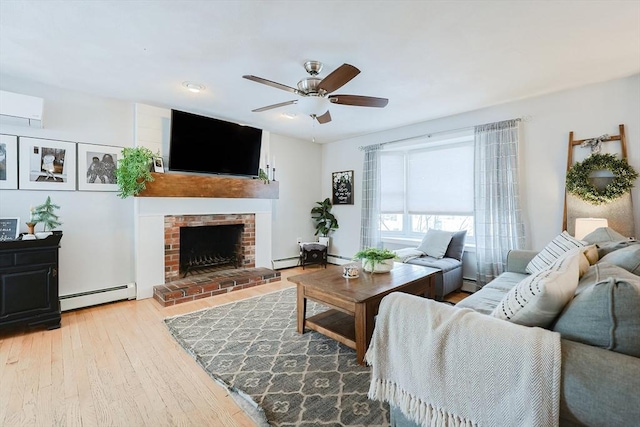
(18,109)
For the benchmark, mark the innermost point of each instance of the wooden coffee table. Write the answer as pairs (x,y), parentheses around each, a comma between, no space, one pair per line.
(354,302)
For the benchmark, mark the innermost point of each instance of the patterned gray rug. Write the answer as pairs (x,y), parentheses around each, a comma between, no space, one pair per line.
(286,379)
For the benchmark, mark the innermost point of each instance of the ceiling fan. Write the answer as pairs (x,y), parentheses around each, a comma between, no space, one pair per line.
(314,91)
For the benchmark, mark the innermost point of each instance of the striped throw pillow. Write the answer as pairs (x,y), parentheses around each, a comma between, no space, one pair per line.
(563,243)
(538,299)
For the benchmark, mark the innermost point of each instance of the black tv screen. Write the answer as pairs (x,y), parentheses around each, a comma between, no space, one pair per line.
(208,145)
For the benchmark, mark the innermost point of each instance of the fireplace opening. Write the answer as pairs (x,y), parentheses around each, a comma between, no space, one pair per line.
(210,246)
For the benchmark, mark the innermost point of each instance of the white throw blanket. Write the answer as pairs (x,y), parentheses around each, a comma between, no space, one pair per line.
(449,366)
(407,254)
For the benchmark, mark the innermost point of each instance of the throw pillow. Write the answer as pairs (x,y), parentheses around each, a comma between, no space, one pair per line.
(435,243)
(456,246)
(539,298)
(627,258)
(606,248)
(603,234)
(604,311)
(563,242)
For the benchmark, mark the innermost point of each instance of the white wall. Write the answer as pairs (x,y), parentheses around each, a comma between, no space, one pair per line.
(96,249)
(98,245)
(588,111)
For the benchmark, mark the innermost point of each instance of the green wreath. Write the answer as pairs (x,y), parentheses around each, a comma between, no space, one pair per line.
(578,178)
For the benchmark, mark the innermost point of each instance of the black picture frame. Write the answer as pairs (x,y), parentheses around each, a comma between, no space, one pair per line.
(9,229)
(342,187)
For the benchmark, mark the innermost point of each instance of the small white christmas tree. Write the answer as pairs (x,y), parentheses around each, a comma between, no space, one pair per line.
(45,214)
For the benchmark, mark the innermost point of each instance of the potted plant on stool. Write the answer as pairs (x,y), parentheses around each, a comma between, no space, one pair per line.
(326,222)
(376,260)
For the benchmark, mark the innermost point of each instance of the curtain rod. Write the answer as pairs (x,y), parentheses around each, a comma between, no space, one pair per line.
(430,134)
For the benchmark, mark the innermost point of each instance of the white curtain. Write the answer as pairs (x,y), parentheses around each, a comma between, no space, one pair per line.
(498,218)
(370,224)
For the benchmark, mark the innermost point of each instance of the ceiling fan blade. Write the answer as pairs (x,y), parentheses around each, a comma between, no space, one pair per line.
(270,107)
(338,78)
(359,101)
(272,84)
(325,118)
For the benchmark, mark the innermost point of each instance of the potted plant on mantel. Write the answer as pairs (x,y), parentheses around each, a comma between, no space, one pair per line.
(376,260)
(326,222)
(134,171)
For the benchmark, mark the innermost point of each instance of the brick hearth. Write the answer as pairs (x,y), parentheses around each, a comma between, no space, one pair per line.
(209,284)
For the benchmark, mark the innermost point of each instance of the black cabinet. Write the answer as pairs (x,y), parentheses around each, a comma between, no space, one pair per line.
(29,282)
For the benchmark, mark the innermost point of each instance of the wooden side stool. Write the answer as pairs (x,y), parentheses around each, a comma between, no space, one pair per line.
(313,253)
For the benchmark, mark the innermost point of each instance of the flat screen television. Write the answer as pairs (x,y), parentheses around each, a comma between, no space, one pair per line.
(207,145)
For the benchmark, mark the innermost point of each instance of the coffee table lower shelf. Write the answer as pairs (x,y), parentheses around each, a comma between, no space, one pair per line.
(335,325)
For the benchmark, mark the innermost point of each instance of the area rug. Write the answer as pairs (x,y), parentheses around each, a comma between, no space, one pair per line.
(282,377)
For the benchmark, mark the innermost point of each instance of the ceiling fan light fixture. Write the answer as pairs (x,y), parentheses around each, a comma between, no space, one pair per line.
(193,87)
(313,105)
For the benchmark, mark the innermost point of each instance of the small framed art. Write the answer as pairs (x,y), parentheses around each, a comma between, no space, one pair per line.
(158,165)
(8,162)
(342,187)
(9,229)
(97,167)
(46,164)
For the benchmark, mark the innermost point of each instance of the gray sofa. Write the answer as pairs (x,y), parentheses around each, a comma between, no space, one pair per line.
(600,329)
(451,265)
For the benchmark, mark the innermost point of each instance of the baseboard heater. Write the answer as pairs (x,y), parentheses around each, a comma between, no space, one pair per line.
(99,296)
(278,264)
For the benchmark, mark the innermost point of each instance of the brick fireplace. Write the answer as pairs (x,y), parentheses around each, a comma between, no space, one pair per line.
(213,281)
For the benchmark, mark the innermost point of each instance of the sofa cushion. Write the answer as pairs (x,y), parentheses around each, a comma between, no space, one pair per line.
(444,264)
(605,310)
(486,300)
(539,298)
(603,234)
(606,248)
(435,243)
(456,246)
(562,243)
(627,257)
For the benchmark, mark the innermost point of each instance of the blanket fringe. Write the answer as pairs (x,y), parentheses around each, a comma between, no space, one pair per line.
(414,408)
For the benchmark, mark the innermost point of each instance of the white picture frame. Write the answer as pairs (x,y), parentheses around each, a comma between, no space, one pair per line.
(46,164)
(8,162)
(158,165)
(97,167)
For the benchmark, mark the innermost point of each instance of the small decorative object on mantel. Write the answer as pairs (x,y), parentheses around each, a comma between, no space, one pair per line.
(263,176)
(578,178)
(45,214)
(376,260)
(342,187)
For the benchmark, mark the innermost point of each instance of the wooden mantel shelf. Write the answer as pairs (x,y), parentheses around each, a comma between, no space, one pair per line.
(181,185)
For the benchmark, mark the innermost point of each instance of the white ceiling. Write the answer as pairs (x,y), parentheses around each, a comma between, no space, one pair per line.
(430,58)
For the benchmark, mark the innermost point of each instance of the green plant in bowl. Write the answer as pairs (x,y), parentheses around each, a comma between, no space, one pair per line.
(372,257)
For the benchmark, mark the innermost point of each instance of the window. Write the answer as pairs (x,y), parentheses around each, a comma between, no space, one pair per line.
(427,185)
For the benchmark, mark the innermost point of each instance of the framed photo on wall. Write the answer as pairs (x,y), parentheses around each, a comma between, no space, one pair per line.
(97,167)
(8,162)
(342,187)
(46,164)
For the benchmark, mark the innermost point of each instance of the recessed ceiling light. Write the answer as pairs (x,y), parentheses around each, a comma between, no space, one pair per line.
(289,115)
(193,87)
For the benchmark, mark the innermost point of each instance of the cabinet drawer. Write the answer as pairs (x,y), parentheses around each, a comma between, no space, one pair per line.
(36,257)
(6,260)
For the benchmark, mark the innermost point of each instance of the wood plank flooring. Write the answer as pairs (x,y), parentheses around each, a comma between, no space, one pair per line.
(115,365)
